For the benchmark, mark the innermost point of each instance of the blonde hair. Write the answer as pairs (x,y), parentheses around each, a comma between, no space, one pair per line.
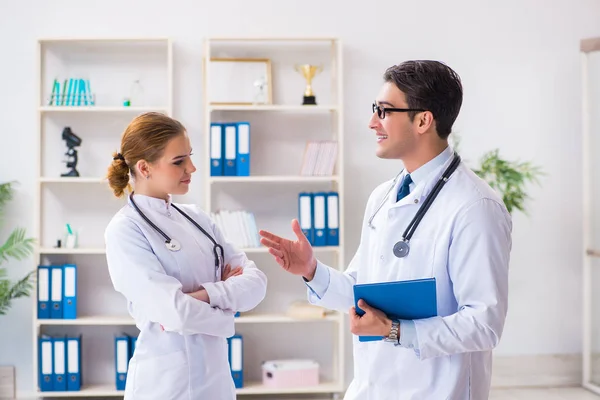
(145,138)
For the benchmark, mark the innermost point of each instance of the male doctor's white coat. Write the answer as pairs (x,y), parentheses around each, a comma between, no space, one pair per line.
(464,242)
(189,359)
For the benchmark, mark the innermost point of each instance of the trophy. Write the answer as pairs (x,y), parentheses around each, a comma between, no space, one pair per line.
(72,141)
(309,72)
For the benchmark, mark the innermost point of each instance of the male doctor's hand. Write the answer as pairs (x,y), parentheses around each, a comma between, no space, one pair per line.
(294,256)
(373,322)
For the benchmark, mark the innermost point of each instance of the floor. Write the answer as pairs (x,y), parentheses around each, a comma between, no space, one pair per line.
(543,394)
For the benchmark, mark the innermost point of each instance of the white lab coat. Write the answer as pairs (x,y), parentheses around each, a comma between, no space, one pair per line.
(189,359)
(464,241)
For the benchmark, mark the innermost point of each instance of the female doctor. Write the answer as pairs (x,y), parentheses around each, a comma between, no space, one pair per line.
(173,266)
(436,219)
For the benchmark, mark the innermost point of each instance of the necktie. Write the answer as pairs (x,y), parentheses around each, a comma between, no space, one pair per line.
(404,189)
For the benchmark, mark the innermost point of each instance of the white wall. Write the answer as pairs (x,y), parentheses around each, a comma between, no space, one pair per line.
(520,67)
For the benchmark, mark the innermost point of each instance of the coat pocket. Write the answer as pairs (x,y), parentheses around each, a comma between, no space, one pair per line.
(161,377)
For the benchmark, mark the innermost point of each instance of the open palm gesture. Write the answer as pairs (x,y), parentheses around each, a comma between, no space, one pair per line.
(295,257)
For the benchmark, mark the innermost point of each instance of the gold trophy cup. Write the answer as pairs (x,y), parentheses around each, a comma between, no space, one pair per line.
(309,72)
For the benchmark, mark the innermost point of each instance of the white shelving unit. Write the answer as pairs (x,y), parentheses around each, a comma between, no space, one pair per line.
(590,63)
(86,202)
(278,136)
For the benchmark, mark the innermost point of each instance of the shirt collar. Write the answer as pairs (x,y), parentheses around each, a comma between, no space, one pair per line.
(152,203)
(422,182)
(421,173)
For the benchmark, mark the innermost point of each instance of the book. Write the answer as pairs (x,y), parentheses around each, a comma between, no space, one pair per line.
(411,299)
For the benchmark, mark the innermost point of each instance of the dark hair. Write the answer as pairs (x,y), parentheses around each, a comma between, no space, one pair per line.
(145,138)
(429,85)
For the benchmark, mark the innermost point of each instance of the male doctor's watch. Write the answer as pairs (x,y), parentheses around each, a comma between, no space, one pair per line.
(393,337)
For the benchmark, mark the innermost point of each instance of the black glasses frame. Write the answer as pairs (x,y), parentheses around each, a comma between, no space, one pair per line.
(382,110)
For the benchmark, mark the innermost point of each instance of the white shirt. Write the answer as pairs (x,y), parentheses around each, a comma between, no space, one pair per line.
(464,241)
(189,359)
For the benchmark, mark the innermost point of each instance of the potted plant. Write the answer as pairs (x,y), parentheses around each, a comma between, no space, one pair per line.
(509,178)
(16,247)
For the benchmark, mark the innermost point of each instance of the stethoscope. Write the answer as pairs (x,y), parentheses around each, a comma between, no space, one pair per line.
(174,245)
(402,248)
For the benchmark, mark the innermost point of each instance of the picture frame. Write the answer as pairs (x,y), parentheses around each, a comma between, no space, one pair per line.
(240,81)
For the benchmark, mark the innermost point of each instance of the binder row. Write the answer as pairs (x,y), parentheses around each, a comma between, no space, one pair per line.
(124,348)
(319,158)
(230,149)
(239,227)
(59,363)
(75,92)
(57,291)
(319,217)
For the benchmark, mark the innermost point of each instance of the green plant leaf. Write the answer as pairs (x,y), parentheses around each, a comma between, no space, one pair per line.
(508,178)
(17,246)
(9,292)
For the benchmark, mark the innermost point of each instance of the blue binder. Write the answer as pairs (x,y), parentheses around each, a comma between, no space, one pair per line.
(121,360)
(243,149)
(412,299)
(230,143)
(236,359)
(56,291)
(43,291)
(217,152)
(45,363)
(60,364)
(319,219)
(305,215)
(69,291)
(133,344)
(73,364)
(333,219)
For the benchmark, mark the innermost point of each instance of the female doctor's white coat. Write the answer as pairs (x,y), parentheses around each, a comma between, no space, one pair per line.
(463,241)
(189,359)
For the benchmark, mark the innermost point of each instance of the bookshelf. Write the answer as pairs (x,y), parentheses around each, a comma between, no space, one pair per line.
(111,65)
(590,78)
(279,133)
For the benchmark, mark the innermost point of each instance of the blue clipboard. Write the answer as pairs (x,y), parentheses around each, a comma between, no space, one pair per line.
(412,299)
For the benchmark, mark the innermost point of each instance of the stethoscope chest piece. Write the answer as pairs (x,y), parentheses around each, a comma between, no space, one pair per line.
(173,245)
(401,249)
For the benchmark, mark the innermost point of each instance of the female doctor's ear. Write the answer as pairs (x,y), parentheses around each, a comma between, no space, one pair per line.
(143,169)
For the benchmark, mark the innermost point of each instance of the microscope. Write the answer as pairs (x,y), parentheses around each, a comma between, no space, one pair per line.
(72,141)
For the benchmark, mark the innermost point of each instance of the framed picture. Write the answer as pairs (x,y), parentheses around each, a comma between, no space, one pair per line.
(240,81)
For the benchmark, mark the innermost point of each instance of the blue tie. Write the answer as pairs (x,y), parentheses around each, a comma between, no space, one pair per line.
(404,190)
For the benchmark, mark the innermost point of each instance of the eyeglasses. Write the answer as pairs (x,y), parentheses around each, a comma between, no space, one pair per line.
(382,110)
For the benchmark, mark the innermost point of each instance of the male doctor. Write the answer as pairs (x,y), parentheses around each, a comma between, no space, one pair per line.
(463,241)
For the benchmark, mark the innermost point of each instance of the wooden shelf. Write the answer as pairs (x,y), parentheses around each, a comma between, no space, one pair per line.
(88,321)
(127,320)
(71,180)
(275,107)
(280,319)
(251,388)
(593,253)
(99,109)
(87,391)
(259,388)
(63,250)
(272,179)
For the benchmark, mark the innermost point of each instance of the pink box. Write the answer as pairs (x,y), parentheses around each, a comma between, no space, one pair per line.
(290,373)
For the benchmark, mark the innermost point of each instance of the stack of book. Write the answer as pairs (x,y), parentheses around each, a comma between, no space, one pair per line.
(238,227)
(319,158)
